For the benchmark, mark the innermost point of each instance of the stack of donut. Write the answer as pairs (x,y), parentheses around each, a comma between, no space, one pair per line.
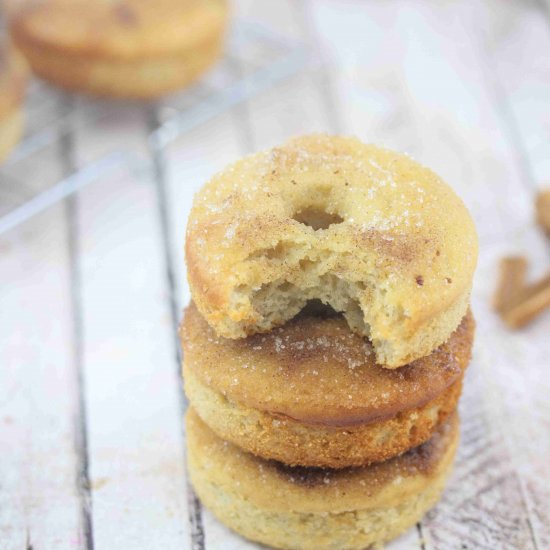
(326,343)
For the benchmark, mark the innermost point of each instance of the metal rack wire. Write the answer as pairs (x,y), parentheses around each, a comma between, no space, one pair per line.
(254,61)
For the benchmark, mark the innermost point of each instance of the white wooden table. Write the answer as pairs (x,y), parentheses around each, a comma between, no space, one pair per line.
(91,434)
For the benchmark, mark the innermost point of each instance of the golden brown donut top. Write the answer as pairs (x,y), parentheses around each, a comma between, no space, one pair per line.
(395,235)
(124,29)
(315,370)
(13,72)
(273,486)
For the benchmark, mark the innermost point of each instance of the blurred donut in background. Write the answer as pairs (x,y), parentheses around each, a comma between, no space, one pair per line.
(13,73)
(135,49)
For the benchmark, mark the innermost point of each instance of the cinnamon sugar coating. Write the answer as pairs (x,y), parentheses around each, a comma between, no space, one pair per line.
(310,393)
(309,508)
(371,232)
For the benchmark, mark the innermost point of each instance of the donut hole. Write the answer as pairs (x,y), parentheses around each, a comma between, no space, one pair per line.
(316,308)
(317,218)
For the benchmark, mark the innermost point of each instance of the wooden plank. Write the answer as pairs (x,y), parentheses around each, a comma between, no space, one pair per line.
(400,89)
(298,105)
(508,364)
(428,94)
(40,501)
(152,484)
(132,387)
(189,162)
(47,412)
(511,46)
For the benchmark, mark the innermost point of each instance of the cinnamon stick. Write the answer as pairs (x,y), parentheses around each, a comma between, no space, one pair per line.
(513,271)
(528,304)
(542,206)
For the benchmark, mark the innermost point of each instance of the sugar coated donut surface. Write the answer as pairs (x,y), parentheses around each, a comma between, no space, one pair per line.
(368,231)
(310,393)
(314,508)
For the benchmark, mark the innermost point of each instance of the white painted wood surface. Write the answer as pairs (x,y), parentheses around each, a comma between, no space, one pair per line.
(90,398)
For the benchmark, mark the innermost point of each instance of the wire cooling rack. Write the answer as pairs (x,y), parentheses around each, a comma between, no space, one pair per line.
(255,59)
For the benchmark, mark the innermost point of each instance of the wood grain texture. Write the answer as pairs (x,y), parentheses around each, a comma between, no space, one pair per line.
(39,464)
(435,99)
(515,41)
(463,87)
(134,419)
(513,45)
(189,161)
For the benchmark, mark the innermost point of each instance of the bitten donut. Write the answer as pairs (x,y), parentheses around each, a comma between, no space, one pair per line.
(12,89)
(127,48)
(311,509)
(310,394)
(368,231)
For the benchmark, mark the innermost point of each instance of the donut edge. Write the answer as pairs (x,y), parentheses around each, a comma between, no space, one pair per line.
(299,444)
(382,519)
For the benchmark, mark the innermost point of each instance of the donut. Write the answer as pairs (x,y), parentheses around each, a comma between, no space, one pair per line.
(12,90)
(310,393)
(125,48)
(365,230)
(311,508)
